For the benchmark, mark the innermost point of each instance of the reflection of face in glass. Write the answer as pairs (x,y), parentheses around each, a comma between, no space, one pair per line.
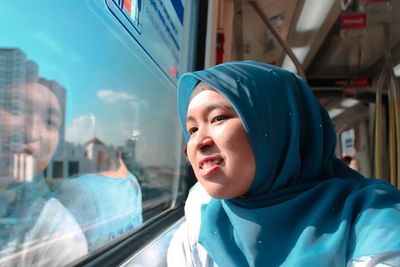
(30,119)
(218,149)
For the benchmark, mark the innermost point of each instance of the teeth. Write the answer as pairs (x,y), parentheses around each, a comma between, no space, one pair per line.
(209,164)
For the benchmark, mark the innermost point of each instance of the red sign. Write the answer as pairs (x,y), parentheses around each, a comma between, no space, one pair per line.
(128,5)
(220,47)
(353,21)
(174,72)
(354,84)
(360,82)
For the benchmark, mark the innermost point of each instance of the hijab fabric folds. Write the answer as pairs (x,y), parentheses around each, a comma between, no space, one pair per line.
(304,206)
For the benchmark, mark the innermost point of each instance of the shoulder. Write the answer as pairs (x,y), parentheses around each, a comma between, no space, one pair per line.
(376,225)
(384,259)
(197,197)
(179,250)
(76,182)
(185,249)
(90,183)
(56,239)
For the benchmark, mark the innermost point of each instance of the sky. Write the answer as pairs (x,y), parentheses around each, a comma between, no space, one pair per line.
(112,86)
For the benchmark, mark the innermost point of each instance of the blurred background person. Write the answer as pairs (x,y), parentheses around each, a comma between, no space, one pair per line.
(350,161)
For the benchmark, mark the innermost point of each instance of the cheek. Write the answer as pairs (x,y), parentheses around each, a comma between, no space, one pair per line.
(223,131)
(233,139)
(50,139)
(241,155)
(11,124)
(49,145)
(190,152)
(54,139)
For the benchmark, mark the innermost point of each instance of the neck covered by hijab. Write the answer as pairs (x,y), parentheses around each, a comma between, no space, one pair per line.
(301,205)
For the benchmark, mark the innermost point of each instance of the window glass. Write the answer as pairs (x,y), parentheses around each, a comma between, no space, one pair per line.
(90,145)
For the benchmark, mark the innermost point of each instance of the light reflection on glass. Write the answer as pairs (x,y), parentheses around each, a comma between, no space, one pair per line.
(89,141)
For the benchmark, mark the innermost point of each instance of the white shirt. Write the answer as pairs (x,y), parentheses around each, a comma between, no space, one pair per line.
(55,240)
(184,249)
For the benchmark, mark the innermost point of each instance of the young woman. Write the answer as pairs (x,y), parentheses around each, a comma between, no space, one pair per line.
(35,228)
(271,191)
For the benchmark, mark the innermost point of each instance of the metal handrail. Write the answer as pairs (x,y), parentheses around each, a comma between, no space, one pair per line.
(278,37)
(378,168)
(388,78)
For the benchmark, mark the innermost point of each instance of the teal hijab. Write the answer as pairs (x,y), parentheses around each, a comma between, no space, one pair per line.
(304,207)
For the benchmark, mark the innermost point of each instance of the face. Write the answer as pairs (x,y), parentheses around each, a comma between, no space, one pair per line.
(31,126)
(218,149)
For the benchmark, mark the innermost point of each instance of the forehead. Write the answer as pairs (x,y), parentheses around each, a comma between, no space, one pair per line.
(205,97)
(36,96)
(200,87)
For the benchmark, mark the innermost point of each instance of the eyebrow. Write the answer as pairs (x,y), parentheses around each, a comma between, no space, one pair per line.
(53,111)
(211,108)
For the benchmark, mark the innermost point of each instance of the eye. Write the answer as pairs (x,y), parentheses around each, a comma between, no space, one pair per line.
(219,118)
(192,130)
(52,123)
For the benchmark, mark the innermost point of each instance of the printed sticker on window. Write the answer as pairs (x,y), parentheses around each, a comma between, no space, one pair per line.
(133,9)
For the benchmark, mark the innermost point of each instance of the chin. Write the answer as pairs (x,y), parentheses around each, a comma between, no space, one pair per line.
(41,166)
(217,195)
(218,192)
(214,190)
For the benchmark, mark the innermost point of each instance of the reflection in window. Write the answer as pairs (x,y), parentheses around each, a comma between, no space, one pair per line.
(73,168)
(57,169)
(90,147)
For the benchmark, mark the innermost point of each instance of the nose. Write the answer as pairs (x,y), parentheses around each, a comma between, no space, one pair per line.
(203,141)
(32,128)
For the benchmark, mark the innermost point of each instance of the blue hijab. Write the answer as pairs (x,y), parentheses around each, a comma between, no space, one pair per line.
(304,207)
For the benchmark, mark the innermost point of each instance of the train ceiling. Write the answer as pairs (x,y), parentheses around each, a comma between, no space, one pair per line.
(328,49)
(313,30)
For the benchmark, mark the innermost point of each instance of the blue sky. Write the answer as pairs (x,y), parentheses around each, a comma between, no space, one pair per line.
(111,87)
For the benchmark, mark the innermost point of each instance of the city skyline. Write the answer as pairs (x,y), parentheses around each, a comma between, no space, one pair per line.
(127,110)
(114,89)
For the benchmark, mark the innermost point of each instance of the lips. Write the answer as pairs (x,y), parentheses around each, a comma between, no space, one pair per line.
(210,165)
(209,162)
(28,150)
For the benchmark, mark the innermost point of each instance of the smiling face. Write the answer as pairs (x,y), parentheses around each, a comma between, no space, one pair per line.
(31,124)
(218,148)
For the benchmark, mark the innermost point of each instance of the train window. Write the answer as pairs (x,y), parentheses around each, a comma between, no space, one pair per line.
(90,146)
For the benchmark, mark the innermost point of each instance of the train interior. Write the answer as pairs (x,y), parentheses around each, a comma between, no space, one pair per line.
(117,65)
(348,53)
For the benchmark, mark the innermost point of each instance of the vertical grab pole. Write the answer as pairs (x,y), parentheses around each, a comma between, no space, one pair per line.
(394,115)
(378,172)
(396,99)
(392,135)
(278,37)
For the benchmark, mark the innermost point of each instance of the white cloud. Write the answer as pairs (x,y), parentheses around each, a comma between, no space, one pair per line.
(81,129)
(110,96)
